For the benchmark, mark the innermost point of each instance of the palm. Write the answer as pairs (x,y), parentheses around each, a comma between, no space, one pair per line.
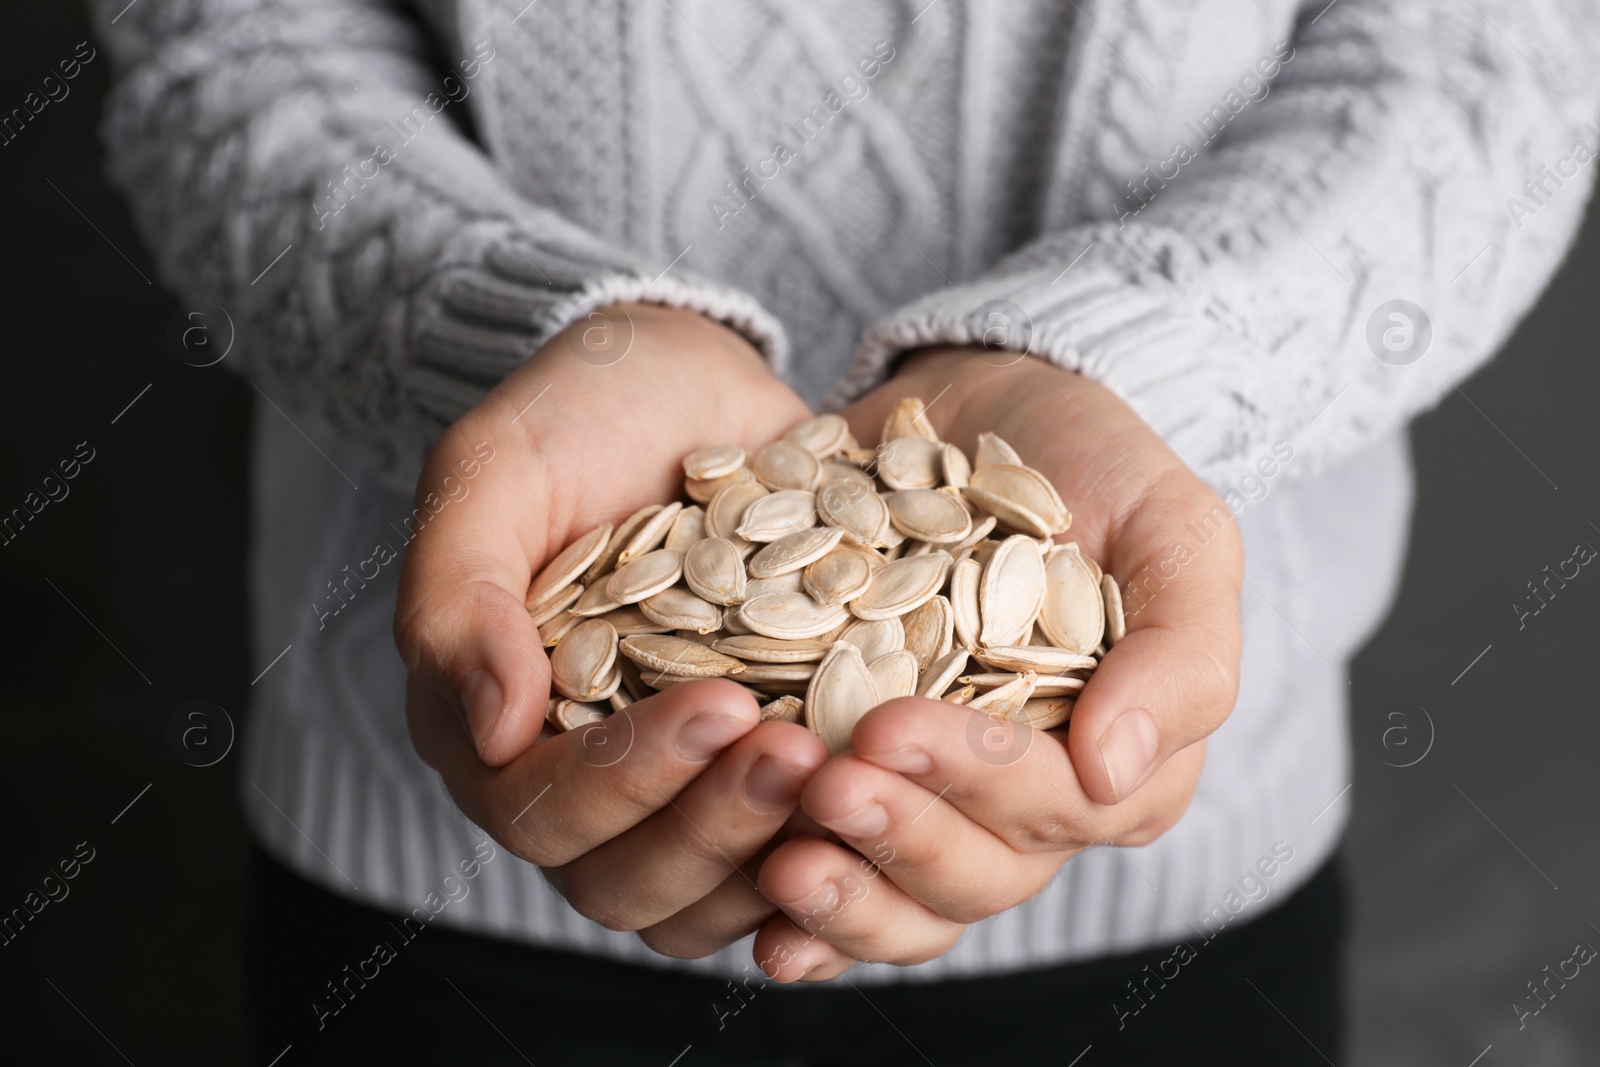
(628,453)
(1133,501)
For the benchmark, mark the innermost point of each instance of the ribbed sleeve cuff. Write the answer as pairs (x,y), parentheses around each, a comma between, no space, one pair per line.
(1117,316)
(493,302)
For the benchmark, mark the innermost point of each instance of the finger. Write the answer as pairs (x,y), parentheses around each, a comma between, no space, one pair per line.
(718,919)
(786,953)
(1016,782)
(926,845)
(730,911)
(687,848)
(573,792)
(1173,678)
(831,893)
(460,622)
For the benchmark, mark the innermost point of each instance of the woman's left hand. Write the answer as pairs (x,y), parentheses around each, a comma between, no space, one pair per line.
(943,816)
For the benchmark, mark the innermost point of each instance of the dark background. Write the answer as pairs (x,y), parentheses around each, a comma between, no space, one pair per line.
(1473,869)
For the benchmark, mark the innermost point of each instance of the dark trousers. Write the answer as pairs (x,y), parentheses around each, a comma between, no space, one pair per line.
(1266,990)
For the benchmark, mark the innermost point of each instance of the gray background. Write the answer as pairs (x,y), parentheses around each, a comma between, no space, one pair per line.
(1472,869)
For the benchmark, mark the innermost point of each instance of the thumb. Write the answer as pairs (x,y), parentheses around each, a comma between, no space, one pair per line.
(461,626)
(1173,677)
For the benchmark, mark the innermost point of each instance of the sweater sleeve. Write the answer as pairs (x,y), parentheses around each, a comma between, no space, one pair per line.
(1245,299)
(297,163)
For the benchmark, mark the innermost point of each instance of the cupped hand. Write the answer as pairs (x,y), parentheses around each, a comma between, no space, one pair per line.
(643,821)
(944,817)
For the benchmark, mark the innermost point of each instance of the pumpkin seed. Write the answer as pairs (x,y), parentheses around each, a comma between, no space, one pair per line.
(650,534)
(1006,700)
(1116,624)
(555,604)
(581,662)
(1012,592)
(955,466)
(823,436)
(875,638)
(911,463)
(687,529)
(1013,515)
(894,675)
(1074,612)
(841,575)
(1041,658)
(682,610)
(992,449)
(929,631)
(629,620)
(778,515)
(754,648)
(718,461)
(840,694)
(784,709)
(908,419)
(570,714)
(785,465)
(594,601)
(645,576)
(794,552)
(858,510)
(791,616)
(727,508)
(714,570)
(929,516)
(941,675)
(965,578)
(1025,488)
(901,586)
(606,562)
(1044,713)
(567,566)
(667,654)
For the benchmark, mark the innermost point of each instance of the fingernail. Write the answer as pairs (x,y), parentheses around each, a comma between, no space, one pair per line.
(705,735)
(907,760)
(865,821)
(481,701)
(773,783)
(1127,750)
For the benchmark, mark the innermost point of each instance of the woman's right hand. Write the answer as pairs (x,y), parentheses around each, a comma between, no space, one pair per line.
(656,819)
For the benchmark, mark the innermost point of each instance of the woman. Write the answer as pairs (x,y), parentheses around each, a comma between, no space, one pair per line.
(1199,263)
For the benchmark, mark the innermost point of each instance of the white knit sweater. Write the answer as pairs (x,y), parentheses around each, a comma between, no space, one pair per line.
(1200,203)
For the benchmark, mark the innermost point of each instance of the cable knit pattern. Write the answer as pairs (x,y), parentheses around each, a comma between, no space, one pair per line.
(246,130)
(861,178)
(1232,310)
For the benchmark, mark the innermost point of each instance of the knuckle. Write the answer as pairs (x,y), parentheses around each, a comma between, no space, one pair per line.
(1046,829)
(1148,830)
(639,793)
(542,850)
(416,630)
(535,850)
(609,910)
(669,939)
(1216,686)
(967,912)
(1141,836)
